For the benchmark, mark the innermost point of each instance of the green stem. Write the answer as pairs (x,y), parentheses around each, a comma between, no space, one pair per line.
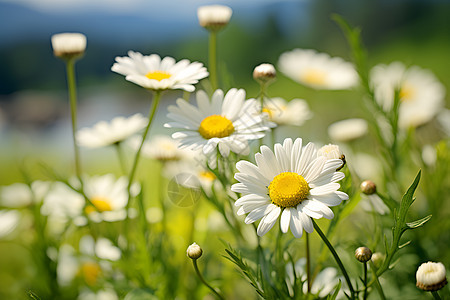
(194,262)
(308,264)
(71,83)
(436,295)
(121,157)
(261,100)
(336,257)
(152,113)
(377,282)
(213,59)
(365,281)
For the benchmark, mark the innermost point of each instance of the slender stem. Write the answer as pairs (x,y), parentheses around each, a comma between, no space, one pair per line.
(152,112)
(308,264)
(71,83)
(262,93)
(436,295)
(377,282)
(121,157)
(365,281)
(336,257)
(194,262)
(213,59)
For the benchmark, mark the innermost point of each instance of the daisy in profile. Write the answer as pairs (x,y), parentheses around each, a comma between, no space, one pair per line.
(108,197)
(162,148)
(294,182)
(154,73)
(421,94)
(227,122)
(282,112)
(20,194)
(105,134)
(348,129)
(318,70)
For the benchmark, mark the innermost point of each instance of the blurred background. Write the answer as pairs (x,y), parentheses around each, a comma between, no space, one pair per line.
(33,99)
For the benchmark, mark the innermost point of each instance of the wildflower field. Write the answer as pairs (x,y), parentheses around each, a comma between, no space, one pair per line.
(319,177)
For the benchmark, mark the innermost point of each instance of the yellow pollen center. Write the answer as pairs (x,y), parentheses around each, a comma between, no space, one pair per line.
(288,189)
(158,75)
(99,204)
(268,111)
(406,93)
(91,272)
(314,77)
(207,175)
(215,126)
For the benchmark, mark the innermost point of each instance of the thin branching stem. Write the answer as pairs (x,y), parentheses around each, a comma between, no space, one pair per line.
(197,271)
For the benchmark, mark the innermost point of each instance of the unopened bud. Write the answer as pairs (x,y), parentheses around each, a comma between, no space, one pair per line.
(194,251)
(430,276)
(363,254)
(68,45)
(214,17)
(368,187)
(377,259)
(264,73)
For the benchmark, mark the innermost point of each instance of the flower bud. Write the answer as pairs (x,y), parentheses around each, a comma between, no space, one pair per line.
(363,254)
(368,187)
(332,151)
(430,276)
(264,73)
(68,45)
(194,251)
(377,259)
(214,17)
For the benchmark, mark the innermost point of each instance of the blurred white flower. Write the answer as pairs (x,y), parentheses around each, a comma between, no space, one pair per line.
(102,248)
(20,194)
(62,203)
(162,148)
(348,130)
(104,134)
(324,283)
(154,73)
(373,203)
(282,112)
(421,94)
(108,196)
(214,17)
(103,294)
(318,70)
(444,120)
(9,219)
(330,151)
(227,122)
(68,44)
(429,155)
(292,183)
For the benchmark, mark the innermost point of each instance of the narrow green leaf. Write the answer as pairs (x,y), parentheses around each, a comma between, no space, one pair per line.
(33,296)
(404,245)
(336,291)
(418,223)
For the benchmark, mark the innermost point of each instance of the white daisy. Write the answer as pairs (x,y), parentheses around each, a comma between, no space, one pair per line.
(19,194)
(9,219)
(154,73)
(62,203)
(68,44)
(421,94)
(324,283)
(162,148)
(226,122)
(318,70)
(214,17)
(282,112)
(294,182)
(348,130)
(108,196)
(104,134)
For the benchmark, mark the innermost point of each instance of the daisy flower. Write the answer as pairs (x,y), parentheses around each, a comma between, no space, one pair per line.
(9,220)
(318,70)
(104,134)
(282,112)
(348,130)
(19,194)
(295,183)
(421,94)
(154,73)
(162,148)
(226,122)
(108,197)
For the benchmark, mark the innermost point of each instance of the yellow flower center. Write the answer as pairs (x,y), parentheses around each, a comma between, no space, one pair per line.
(268,111)
(215,126)
(99,204)
(91,272)
(406,93)
(288,189)
(207,175)
(314,77)
(158,75)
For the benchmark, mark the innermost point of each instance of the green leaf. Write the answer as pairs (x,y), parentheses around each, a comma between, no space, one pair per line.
(32,295)
(140,294)
(418,223)
(336,291)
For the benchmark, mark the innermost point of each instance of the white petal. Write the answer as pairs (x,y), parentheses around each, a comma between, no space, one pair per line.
(256,214)
(273,213)
(325,189)
(296,224)
(264,227)
(285,220)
